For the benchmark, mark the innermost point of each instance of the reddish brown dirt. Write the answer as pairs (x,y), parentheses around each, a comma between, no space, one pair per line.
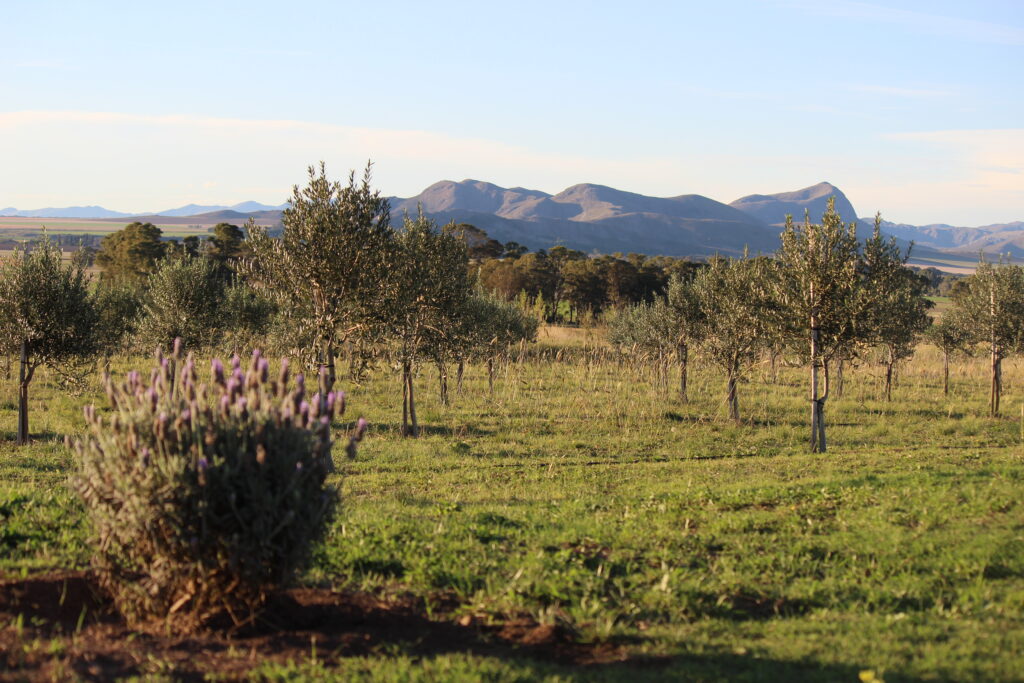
(54,624)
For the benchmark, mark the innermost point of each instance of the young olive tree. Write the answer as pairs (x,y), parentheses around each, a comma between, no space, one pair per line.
(328,268)
(490,326)
(47,316)
(950,336)
(684,303)
(182,300)
(647,330)
(429,285)
(738,314)
(822,297)
(896,313)
(666,328)
(990,304)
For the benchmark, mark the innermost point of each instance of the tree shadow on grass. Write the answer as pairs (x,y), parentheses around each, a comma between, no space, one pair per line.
(94,642)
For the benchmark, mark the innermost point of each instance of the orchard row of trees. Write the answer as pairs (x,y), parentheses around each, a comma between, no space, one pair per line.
(823,300)
(339,281)
(338,277)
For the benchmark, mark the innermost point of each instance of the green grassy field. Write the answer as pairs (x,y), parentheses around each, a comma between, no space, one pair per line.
(585,495)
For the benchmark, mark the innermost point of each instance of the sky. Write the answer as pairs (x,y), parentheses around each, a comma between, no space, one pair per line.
(914,109)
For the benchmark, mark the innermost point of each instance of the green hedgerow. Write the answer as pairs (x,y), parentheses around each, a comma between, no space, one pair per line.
(206,497)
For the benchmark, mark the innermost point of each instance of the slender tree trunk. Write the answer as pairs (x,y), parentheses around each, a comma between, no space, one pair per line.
(839,378)
(405,398)
(684,359)
(774,361)
(331,375)
(820,409)
(490,375)
(815,360)
(945,372)
(415,427)
(24,377)
(997,381)
(890,362)
(458,376)
(442,377)
(732,397)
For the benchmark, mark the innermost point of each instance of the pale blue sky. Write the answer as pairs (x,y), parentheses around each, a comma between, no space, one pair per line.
(912,108)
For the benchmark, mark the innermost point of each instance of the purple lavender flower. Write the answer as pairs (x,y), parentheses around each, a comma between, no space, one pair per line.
(264,369)
(177,347)
(203,464)
(218,371)
(236,362)
(361,426)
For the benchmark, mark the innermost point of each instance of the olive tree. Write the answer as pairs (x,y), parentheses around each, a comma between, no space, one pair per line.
(488,328)
(738,315)
(895,313)
(950,336)
(327,269)
(665,328)
(427,287)
(182,300)
(990,305)
(47,316)
(822,297)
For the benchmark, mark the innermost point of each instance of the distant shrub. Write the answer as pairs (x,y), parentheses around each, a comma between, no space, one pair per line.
(206,497)
(183,299)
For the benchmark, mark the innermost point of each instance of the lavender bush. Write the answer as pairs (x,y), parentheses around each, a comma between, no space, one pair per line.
(206,497)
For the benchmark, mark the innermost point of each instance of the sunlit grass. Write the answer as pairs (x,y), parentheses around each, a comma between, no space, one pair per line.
(584,492)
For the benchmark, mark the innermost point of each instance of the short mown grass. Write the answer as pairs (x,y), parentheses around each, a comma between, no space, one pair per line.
(584,493)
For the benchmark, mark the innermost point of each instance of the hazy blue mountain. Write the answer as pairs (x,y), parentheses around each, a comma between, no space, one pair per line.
(189,210)
(248,207)
(65,212)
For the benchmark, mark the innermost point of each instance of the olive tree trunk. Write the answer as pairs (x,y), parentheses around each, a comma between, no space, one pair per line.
(684,358)
(997,380)
(890,363)
(732,398)
(945,372)
(410,427)
(442,380)
(24,378)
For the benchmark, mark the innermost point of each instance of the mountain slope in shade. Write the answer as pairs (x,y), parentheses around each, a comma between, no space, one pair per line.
(65,212)
(594,218)
(773,208)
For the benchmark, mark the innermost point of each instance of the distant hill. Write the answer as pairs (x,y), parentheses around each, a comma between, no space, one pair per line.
(66,212)
(600,219)
(267,218)
(773,208)
(594,218)
(197,209)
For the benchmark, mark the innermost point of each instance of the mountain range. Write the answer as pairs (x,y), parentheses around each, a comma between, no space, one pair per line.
(100,212)
(596,218)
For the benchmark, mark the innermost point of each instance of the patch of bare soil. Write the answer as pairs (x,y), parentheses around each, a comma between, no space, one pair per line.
(57,625)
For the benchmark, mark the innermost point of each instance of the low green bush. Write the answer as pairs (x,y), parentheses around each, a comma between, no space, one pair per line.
(206,497)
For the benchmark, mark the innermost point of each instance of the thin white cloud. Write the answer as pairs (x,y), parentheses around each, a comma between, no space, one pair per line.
(923,22)
(142,163)
(897,91)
